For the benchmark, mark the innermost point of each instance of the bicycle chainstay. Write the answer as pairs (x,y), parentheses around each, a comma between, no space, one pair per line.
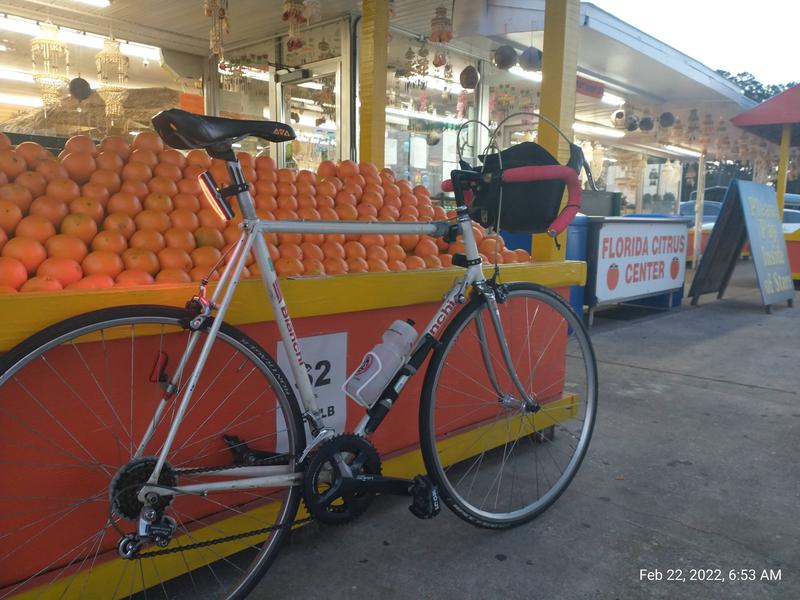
(224,539)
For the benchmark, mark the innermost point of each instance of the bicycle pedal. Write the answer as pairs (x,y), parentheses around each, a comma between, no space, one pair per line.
(425,498)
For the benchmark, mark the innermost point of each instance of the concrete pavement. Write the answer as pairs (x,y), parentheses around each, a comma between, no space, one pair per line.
(693,471)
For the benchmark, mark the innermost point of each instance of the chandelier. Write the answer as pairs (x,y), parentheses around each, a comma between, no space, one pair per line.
(220,25)
(50,64)
(112,72)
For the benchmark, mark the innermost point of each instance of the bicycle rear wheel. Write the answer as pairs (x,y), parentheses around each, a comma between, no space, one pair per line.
(496,463)
(75,400)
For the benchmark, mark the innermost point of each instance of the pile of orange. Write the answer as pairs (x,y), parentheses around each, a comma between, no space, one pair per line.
(119,214)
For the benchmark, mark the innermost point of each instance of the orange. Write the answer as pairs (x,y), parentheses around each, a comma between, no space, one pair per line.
(120,222)
(4,141)
(415,262)
(146,157)
(63,270)
(92,282)
(245,159)
(32,153)
(367,209)
(208,236)
(306,189)
(124,202)
(205,256)
(10,216)
(11,163)
(286,175)
(110,161)
(108,179)
(173,276)
(136,171)
(409,242)
(66,246)
(335,266)
(354,189)
(397,265)
(130,278)
(152,220)
(41,284)
(326,188)
(232,233)
(432,261)
(80,143)
(102,262)
(187,202)
(63,189)
(163,185)
(135,188)
(388,213)
(95,191)
(3,238)
(158,201)
(288,267)
(19,195)
(12,272)
(377,252)
(26,250)
(355,250)
(306,201)
(479,234)
(80,166)
(148,239)
(169,171)
(290,250)
(522,255)
(328,214)
(327,168)
(425,213)
(7,289)
(313,266)
(395,252)
(81,225)
(265,162)
(3,178)
(111,240)
(175,258)
(426,247)
(36,227)
(200,273)
(177,237)
(141,259)
(308,214)
(456,248)
(367,168)
(439,213)
(392,201)
(88,207)
(287,202)
(346,212)
(286,189)
(208,218)
(333,250)
(117,145)
(273,252)
(339,238)
(198,157)
(509,256)
(446,260)
(347,168)
(377,265)
(35,182)
(487,246)
(407,209)
(314,238)
(189,186)
(51,169)
(309,250)
(357,265)
(283,214)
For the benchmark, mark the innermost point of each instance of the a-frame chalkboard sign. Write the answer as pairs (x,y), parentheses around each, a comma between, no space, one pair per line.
(749,211)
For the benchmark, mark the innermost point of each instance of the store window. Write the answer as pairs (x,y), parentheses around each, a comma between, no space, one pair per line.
(424,108)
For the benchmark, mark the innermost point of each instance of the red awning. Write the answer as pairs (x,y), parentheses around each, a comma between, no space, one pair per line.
(768,118)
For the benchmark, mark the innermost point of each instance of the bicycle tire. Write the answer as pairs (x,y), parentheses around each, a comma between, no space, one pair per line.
(445,423)
(27,436)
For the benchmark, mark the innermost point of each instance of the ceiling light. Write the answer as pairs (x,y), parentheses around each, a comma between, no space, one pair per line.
(600,130)
(535,76)
(97,3)
(16,76)
(31,101)
(683,151)
(412,114)
(72,36)
(612,99)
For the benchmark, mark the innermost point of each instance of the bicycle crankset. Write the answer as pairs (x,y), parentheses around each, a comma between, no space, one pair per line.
(330,488)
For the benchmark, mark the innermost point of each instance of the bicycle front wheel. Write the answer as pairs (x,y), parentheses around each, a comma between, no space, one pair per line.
(497,460)
(75,402)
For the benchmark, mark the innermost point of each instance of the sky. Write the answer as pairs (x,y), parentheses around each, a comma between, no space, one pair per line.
(759,36)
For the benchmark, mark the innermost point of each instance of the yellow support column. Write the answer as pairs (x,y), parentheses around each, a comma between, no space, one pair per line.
(559,71)
(372,78)
(783,166)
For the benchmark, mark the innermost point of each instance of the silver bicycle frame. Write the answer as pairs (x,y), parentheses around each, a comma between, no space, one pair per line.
(252,238)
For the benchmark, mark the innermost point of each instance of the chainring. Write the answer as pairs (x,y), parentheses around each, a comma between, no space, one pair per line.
(128,481)
(323,479)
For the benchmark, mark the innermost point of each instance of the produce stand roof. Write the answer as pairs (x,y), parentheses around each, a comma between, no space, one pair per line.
(768,118)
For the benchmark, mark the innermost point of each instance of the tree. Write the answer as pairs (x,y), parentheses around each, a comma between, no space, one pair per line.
(753,88)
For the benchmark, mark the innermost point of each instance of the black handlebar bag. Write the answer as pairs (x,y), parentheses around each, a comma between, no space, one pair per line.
(528,207)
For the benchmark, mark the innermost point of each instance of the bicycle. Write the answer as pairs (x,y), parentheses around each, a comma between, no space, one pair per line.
(124,474)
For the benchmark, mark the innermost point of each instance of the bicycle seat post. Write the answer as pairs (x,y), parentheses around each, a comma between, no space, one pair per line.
(237,178)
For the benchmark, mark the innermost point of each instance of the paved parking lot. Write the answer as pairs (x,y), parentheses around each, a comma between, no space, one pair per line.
(693,472)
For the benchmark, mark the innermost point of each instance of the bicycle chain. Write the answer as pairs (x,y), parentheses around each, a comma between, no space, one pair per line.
(266,462)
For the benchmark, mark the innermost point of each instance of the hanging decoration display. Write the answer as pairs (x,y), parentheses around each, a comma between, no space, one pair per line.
(505,57)
(217,10)
(531,59)
(297,13)
(469,77)
(693,126)
(80,89)
(112,72)
(666,120)
(50,56)
(441,27)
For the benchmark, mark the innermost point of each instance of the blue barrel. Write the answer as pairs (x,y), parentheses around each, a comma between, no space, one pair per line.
(577,249)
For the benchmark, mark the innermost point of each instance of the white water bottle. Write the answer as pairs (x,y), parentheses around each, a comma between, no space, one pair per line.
(381,363)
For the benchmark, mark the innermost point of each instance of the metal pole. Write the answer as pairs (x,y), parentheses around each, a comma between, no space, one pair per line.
(698,208)
(783,166)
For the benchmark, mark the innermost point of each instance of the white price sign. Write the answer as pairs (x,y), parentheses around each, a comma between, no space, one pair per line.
(326,363)
(639,259)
